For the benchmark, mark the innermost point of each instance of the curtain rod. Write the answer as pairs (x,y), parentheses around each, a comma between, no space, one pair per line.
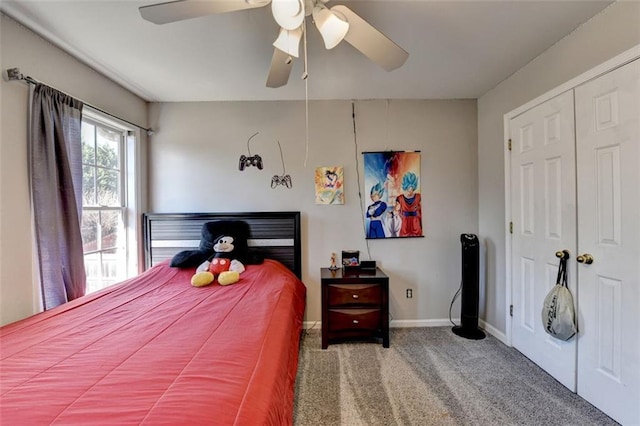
(15,74)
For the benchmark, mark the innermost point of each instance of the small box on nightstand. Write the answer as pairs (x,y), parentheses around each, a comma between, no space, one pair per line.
(368,265)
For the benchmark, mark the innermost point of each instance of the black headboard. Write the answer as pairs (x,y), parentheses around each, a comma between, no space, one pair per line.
(276,234)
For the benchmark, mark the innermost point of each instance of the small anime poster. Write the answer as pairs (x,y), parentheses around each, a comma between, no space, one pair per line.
(392,187)
(329,185)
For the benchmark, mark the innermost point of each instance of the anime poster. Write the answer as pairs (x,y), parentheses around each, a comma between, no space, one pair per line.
(329,185)
(392,188)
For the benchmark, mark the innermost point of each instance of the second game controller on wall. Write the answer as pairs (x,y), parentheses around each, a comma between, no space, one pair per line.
(281,180)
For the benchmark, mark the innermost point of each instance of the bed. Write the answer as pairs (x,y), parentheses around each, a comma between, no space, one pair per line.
(156,350)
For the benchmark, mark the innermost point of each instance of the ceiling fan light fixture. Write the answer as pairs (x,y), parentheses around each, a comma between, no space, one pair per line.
(331,27)
(289,14)
(289,41)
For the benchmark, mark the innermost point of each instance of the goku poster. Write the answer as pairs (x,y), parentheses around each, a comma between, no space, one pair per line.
(392,186)
(329,185)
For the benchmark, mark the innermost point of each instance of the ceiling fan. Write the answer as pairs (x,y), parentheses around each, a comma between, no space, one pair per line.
(335,24)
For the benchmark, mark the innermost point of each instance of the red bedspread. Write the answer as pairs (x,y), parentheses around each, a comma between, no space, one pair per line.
(155,350)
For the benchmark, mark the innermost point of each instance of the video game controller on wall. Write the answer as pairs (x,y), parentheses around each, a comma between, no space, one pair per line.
(254,160)
(281,180)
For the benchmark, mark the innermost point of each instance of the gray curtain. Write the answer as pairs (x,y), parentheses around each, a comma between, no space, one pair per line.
(55,152)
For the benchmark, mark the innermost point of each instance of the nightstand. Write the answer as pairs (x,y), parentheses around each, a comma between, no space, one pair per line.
(355,305)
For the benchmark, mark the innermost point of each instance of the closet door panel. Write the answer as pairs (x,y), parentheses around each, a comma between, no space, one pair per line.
(608,182)
(543,215)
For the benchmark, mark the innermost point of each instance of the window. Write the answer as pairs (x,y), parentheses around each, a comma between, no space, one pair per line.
(107,231)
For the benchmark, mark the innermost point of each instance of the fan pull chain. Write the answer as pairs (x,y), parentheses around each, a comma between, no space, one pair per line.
(305,73)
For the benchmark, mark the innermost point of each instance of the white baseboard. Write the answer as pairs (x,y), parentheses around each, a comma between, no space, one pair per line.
(493,331)
(308,325)
(421,323)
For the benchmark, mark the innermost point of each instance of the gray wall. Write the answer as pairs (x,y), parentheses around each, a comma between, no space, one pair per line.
(609,33)
(20,47)
(193,161)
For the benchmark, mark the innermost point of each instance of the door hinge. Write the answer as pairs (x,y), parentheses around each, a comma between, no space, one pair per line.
(511,227)
(509,145)
(510,310)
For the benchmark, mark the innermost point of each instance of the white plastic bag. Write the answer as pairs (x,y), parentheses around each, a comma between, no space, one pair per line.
(558,314)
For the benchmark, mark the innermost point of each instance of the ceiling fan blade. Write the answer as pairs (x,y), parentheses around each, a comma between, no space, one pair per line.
(371,42)
(163,13)
(281,64)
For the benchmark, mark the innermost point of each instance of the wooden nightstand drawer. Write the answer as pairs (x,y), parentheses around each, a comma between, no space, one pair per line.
(354,319)
(355,294)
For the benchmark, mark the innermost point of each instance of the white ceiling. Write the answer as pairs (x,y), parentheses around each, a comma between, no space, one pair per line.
(457,49)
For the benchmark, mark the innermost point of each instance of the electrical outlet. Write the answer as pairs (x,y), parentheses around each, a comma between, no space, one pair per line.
(409,293)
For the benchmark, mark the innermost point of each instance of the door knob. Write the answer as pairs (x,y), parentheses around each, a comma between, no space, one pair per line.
(564,254)
(585,258)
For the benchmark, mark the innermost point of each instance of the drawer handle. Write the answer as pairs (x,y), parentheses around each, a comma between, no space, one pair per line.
(356,322)
(355,296)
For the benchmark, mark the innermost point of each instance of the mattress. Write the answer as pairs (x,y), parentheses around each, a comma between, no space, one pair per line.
(156,350)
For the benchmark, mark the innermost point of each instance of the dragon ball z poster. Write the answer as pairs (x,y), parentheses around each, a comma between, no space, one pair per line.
(392,188)
(329,185)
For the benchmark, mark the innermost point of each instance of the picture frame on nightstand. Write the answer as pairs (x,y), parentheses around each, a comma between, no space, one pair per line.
(350,258)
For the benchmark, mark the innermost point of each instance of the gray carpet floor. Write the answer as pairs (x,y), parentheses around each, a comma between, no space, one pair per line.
(430,376)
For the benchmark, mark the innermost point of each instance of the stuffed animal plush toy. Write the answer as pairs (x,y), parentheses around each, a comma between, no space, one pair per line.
(222,263)
(232,253)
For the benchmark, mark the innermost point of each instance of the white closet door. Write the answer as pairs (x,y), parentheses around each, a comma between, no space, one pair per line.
(543,211)
(608,170)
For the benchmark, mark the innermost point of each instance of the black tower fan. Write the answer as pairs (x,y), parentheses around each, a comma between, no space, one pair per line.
(470,296)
